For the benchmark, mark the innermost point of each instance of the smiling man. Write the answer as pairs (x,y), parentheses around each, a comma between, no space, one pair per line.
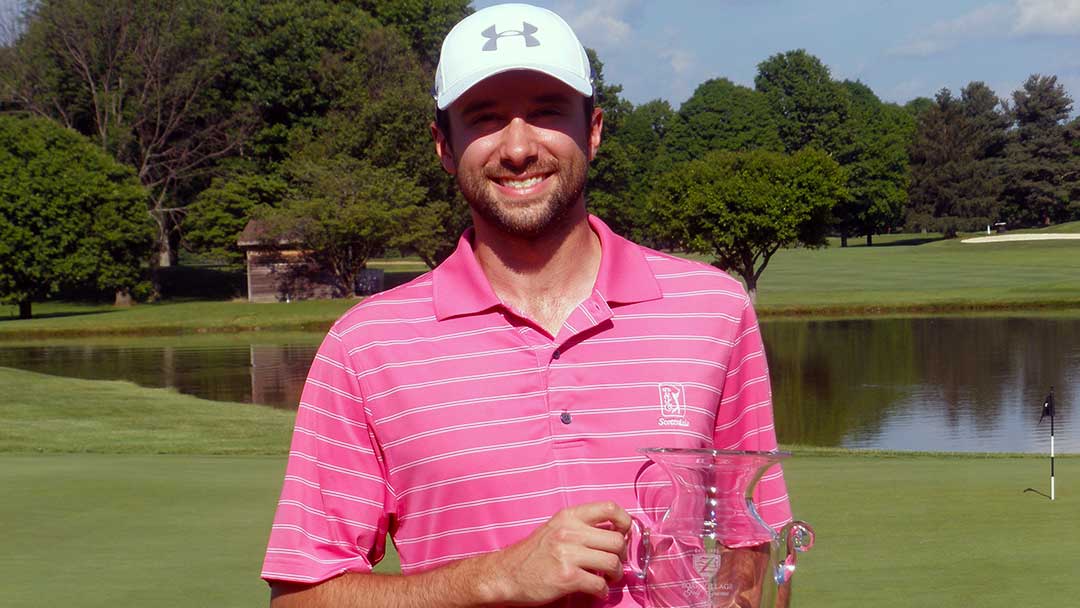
(487,415)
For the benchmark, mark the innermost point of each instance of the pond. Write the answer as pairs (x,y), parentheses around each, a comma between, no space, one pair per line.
(927,384)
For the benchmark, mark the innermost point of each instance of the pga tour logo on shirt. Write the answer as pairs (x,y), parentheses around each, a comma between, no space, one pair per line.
(672,405)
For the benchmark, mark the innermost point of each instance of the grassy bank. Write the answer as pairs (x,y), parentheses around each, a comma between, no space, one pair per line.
(49,414)
(899,274)
(172,318)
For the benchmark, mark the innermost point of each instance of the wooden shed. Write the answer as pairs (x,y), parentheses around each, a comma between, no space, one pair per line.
(278,271)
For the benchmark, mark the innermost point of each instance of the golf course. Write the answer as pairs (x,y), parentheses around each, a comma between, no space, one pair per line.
(122,495)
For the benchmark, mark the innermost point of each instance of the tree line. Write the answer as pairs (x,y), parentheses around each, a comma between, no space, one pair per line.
(312,117)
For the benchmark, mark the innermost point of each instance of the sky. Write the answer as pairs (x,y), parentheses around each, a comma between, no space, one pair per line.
(901,49)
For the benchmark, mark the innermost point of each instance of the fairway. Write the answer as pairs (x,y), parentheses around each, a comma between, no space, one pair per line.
(940,275)
(163,531)
(939,531)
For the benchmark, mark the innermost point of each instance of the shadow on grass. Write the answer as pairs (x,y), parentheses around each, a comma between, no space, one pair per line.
(52,315)
(911,242)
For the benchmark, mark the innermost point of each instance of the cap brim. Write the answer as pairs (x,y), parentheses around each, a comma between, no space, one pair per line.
(453,92)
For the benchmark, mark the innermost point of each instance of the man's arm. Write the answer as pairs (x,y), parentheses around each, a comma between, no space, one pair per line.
(570,553)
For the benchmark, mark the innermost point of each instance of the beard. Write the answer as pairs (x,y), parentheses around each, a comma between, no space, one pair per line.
(527,219)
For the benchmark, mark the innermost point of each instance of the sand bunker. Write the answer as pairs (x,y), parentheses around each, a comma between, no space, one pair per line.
(1002,238)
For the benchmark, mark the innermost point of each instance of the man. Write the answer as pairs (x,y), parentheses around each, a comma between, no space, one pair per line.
(487,415)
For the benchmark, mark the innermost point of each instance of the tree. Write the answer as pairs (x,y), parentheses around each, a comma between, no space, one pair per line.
(956,158)
(424,23)
(69,215)
(608,96)
(875,161)
(326,72)
(628,159)
(613,172)
(141,78)
(647,126)
(215,220)
(722,115)
(1042,165)
(380,114)
(810,107)
(742,207)
(278,68)
(917,106)
(344,212)
(612,176)
(1072,136)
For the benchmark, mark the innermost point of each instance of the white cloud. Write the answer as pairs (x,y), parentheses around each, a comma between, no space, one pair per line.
(1016,18)
(630,53)
(984,21)
(1054,17)
(923,47)
(681,62)
(600,24)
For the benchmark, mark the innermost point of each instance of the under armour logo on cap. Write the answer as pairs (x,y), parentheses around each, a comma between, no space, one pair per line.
(527,30)
(473,51)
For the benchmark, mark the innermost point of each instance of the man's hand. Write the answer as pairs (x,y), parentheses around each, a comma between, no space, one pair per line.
(577,551)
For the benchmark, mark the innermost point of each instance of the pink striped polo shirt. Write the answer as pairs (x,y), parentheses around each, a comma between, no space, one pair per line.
(436,414)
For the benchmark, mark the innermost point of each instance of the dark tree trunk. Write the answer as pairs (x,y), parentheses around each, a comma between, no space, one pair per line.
(24,309)
(843,239)
(869,240)
(751,289)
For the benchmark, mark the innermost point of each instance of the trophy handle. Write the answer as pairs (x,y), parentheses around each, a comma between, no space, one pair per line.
(799,537)
(638,548)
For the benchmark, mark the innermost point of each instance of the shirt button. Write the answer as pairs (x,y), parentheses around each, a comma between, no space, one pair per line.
(565,418)
(556,354)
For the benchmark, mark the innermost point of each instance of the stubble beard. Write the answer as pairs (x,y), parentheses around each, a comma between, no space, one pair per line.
(532,219)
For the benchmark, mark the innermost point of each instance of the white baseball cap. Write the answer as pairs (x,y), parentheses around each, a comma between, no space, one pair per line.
(509,37)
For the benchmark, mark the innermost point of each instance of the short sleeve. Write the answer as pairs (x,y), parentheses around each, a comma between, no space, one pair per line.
(745,417)
(334,509)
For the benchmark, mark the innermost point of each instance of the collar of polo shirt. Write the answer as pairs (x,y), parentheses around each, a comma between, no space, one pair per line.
(625,276)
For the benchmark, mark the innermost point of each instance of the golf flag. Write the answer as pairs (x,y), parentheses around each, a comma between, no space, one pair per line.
(1048,410)
(1048,407)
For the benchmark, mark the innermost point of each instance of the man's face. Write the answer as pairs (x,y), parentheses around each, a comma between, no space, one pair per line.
(520,146)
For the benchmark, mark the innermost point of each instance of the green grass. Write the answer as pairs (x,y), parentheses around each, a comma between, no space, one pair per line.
(944,275)
(1069,227)
(155,520)
(93,530)
(41,413)
(171,318)
(907,531)
(897,531)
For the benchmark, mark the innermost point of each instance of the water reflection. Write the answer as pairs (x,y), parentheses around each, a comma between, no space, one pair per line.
(268,374)
(957,384)
(951,384)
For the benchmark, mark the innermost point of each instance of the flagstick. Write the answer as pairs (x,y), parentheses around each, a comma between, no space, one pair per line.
(1051,452)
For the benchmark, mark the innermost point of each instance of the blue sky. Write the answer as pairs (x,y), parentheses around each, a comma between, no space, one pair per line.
(902,49)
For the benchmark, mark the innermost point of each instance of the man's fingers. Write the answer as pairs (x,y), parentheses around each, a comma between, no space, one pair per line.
(608,541)
(593,584)
(603,563)
(594,513)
